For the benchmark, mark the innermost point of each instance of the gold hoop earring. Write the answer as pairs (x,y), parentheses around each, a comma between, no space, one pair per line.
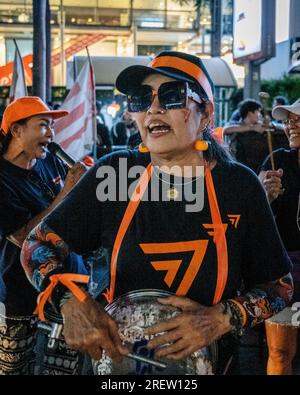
(143,149)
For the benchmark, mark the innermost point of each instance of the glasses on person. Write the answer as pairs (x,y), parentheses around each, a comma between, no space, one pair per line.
(171,95)
(292,122)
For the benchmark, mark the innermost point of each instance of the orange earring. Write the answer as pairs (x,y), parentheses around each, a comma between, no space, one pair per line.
(143,149)
(201,145)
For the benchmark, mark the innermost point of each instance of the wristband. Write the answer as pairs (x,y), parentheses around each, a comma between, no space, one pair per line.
(236,317)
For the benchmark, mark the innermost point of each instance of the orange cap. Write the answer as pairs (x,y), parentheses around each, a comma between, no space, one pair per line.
(25,107)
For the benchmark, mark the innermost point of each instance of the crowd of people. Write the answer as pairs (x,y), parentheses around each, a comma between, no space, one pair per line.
(227,265)
(122,134)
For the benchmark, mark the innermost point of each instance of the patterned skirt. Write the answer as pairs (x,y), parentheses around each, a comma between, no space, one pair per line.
(22,352)
(17,340)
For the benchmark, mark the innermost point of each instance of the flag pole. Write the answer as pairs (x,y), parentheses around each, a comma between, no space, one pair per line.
(94,105)
(23,72)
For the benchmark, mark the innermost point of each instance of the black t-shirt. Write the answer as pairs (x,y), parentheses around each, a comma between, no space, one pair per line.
(119,133)
(164,242)
(23,195)
(285,207)
(251,148)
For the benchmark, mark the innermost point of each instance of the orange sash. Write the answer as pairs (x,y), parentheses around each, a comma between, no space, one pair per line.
(218,226)
(68,279)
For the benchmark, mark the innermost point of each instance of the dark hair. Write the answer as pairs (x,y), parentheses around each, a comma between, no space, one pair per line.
(281,100)
(215,151)
(98,105)
(5,139)
(249,105)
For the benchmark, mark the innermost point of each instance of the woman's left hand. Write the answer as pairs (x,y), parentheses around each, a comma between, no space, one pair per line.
(196,327)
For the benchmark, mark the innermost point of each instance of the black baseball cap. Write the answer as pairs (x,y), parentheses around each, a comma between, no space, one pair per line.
(178,65)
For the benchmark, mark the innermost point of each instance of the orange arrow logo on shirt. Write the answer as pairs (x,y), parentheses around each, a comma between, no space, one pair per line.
(199,248)
(171,267)
(234,219)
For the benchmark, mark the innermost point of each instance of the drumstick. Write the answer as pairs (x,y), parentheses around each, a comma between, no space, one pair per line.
(269,138)
(264,96)
(146,360)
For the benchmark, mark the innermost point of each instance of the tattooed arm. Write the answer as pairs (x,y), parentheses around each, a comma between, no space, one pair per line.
(199,326)
(87,327)
(43,254)
(261,302)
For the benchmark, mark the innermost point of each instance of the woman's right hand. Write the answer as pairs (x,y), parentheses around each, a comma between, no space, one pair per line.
(73,176)
(272,183)
(89,329)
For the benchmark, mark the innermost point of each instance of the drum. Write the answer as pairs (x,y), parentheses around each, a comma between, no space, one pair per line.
(281,333)
(134,312)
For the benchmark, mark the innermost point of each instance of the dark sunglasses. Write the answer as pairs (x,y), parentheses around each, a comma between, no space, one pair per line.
(171,95)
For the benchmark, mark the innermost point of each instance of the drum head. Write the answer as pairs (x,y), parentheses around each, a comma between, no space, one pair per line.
(136,311)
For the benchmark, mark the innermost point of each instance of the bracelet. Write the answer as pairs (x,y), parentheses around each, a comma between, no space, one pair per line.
(236,317)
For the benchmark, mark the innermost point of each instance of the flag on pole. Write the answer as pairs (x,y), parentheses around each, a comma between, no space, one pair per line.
(75,132)
(18,86)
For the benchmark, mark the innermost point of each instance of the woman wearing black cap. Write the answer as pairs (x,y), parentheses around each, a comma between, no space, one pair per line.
(32,183)
(221,256)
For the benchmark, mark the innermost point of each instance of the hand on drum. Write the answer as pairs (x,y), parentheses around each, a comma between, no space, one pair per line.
(89,329)
(196,327)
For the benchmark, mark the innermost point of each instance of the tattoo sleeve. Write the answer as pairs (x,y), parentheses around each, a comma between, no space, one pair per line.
(265,300)
(43,254)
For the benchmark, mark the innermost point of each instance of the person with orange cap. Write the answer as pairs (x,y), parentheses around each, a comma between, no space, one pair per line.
(32,183)
(221,260)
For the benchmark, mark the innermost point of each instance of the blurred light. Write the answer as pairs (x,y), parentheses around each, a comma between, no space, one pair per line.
(23,18)
(113,109)
(73,20)
(225,49)
(152,24)
(56,38)
(1,37)
(90,20)
(10,20)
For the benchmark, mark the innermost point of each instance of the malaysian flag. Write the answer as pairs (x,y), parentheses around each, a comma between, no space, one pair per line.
(75,133)
(18,86)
